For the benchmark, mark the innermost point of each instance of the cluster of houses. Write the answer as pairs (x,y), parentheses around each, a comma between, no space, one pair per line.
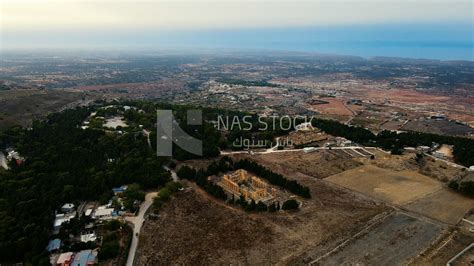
(81,258)
(97,215)
(13,155)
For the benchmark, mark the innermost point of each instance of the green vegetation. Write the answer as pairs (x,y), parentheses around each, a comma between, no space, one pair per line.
(200,177)
(248,83)
(110,247)
(131,195)
(290,204)
(226,164)
(274,178)
(164,194)
(465,187)
(463,147)
(65,164)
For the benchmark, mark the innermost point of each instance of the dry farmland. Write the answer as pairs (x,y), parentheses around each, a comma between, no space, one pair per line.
(348,220)
(196,227)
(443,205)
(397,239)
(395,187)
(317,164)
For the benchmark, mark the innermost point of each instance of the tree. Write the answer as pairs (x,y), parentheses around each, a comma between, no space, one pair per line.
(290,204)
(272,207)
(261,207)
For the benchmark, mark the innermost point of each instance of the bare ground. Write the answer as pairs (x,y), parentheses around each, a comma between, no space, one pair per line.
(194,228)
(395,187)
(397,239)
(319,164)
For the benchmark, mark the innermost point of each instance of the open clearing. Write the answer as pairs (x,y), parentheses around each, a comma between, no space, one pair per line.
(395,241)
(20,107)
(443,205)
(318,164)
(333,106)
(395,187)
(196,228)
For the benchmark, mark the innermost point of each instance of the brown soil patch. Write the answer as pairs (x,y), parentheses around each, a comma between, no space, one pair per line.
(194,228)
(396,187)
(334,106)
(319,164)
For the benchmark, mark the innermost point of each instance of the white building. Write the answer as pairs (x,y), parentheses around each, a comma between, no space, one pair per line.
(304,127)
(103,213)
(309,149)
(87,237)
(68,207)
(62,218)
(88,212)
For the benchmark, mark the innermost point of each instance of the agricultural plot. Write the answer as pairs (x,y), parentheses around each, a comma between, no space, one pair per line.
(444,205)
(395,241)
(395,187)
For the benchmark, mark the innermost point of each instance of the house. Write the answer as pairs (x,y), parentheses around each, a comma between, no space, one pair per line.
(85,258)
(65,259)
(68,207)
(119,190)
(89,236)
(88,212)
(423,148)
(346,143)
(439,155)
(103,213)
(304,127)
(54,245)
(62,218)
(309,149)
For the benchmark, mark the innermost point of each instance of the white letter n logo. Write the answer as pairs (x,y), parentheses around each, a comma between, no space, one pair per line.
(169,132)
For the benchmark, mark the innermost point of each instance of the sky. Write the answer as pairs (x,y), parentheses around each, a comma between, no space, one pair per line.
(439,29)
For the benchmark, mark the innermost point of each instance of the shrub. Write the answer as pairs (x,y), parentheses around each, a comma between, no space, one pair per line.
(290,204)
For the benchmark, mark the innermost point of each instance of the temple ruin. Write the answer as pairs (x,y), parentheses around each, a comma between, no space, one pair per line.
(251,187)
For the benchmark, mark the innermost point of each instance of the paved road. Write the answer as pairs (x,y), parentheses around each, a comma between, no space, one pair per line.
(272,150)
(174,176)
(3,161)
(137,222)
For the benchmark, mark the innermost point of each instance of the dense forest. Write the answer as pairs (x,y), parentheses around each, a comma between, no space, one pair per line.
(64,163)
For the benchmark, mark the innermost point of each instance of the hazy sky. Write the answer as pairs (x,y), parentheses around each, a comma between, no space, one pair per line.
(107,14)
(43,23)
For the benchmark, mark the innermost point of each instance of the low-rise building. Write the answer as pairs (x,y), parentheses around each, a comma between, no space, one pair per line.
(68,207)
(88,237)
(103,213)
(119,190)
(65,259)
(54,245)
(85,258)
(62,218)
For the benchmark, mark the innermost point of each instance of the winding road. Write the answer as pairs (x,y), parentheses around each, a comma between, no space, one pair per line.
(137,221)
